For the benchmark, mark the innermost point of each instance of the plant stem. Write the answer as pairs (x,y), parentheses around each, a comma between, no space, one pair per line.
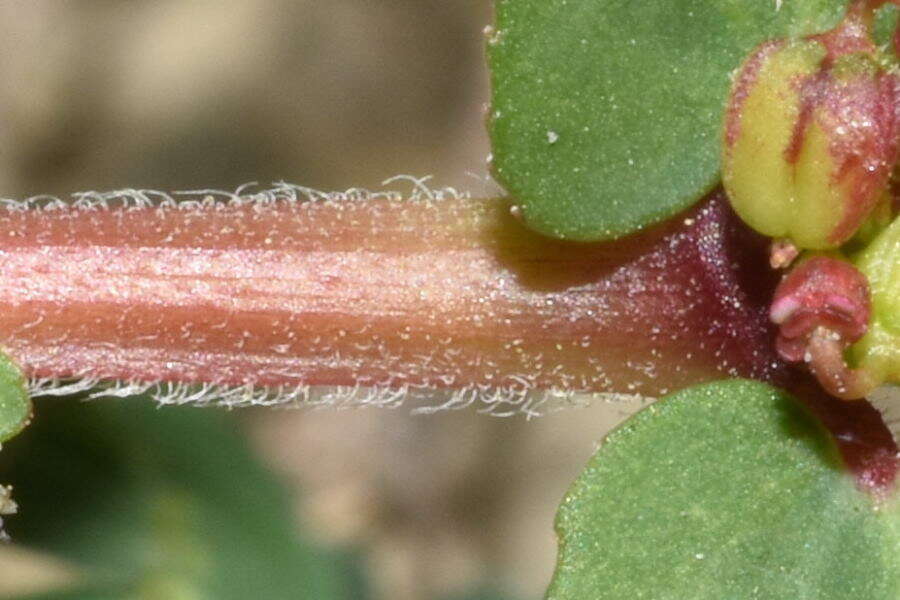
(399,295)
(384,293)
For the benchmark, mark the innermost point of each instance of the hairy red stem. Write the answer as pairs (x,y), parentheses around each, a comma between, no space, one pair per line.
(450,293)
(386,293)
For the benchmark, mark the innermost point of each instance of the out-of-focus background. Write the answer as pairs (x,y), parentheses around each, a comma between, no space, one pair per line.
(176,94)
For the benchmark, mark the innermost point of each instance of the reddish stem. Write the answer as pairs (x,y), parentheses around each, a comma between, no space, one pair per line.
(445,294)
(865,443)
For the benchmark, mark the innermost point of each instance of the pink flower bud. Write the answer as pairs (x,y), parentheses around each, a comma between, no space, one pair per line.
(821,307)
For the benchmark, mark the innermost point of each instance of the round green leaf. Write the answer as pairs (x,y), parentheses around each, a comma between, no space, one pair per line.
(15,405)
(728,490)
(606,114)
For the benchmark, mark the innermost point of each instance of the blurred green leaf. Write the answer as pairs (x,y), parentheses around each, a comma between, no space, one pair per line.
(728,490)
(15,405)
(85,594)
(164,504)
(606,115)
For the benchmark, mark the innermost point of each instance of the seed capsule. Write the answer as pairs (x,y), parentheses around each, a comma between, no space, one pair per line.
(811,137)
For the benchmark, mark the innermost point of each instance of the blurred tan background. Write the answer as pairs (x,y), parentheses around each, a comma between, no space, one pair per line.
(176,94)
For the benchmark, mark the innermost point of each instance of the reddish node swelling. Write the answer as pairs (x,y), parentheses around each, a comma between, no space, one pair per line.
(821,307)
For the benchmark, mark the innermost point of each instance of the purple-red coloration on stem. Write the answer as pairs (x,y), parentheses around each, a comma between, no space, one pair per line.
(866,445)
(445,294)
(449,294)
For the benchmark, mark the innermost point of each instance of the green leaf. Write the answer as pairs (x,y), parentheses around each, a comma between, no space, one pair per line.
(728,490)
(606,114)
(165,503)
(15,405)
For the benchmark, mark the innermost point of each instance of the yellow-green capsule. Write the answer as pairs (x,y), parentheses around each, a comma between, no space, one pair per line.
(810,141)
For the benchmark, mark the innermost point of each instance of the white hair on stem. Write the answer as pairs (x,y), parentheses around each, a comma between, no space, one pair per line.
(518,399)
(248,194)
(497,402)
